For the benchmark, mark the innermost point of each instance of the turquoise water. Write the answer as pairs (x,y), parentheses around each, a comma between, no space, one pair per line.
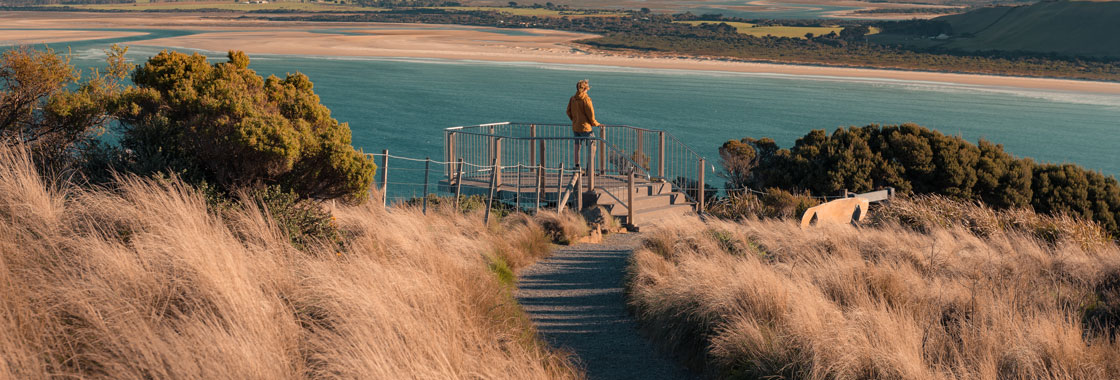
(403,104)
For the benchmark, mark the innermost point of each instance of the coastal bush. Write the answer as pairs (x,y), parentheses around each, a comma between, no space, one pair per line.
(45,105)
(225,124)
(918,160)
(765,299)
(773,203)
(145,281)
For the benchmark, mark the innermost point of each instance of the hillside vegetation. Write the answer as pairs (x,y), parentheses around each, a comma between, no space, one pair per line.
(1069,28)
(765,299)
(197,243)
(147,282)
(915,159)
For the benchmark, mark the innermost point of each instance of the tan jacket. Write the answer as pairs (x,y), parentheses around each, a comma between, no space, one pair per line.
(581,112)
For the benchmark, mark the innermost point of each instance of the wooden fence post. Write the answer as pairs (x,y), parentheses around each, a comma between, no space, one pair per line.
(700,187)
(385,177)
(458,181)
(490,199)
(427,168)
(559,185)
(450,151)
(495,177)
(603,149)
(630,199)
(641,151)
(579,190)
(661,154)
(517,197)
(532,146)
(591,166)
(537,193)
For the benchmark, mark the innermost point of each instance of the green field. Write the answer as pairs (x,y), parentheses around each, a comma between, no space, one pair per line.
(224,5)
(776,31)
(539,12)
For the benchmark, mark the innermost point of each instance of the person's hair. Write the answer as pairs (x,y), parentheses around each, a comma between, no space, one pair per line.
(582,85)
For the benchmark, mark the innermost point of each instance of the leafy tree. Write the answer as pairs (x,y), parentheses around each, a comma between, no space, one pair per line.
(45,105)
(854,32)
(738,158)
(224,124)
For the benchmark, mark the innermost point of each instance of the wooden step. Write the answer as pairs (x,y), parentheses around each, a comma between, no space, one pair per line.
(653,215)
(644,202)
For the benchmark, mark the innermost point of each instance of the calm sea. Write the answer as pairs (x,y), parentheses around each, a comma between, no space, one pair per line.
(403,104)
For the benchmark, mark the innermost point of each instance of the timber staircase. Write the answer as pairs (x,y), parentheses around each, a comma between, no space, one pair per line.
(654,200)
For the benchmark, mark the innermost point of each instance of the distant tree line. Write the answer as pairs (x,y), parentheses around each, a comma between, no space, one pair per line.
(919,160)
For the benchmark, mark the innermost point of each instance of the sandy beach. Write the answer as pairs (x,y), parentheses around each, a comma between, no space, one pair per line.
(453,42)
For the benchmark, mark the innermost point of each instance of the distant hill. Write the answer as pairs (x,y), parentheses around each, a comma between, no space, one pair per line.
(1071,28)
(1077,28)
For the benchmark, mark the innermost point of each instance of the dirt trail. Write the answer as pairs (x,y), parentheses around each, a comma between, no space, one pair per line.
(575,299)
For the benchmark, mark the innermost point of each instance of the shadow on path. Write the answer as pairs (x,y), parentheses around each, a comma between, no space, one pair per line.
(576,301)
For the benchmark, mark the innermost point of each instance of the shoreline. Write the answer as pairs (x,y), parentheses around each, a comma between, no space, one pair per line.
(477,43)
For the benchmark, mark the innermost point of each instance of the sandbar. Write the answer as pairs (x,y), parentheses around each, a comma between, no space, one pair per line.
(34,37)
(453,42)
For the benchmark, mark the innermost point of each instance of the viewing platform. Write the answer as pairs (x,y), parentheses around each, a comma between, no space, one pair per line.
(636,174)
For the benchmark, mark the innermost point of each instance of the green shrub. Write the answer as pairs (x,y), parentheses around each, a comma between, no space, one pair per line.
(773,203)
(225,124)
(306,223)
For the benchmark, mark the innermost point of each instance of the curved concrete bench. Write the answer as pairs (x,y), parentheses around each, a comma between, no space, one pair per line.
(840,211)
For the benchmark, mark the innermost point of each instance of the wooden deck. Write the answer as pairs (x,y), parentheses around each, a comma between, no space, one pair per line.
(508,183)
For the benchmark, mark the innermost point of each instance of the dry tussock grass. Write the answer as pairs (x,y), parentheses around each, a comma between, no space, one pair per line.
(925,213)
(761,299)
(143,282)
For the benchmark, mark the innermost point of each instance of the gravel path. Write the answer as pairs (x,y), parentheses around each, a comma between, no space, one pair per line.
(576,301)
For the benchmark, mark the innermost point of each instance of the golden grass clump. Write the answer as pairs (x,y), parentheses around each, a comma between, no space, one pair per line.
(765,299)
(925,213)
(143,282)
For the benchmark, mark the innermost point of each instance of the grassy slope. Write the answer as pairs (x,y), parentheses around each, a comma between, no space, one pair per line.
(761,299)
(1073,28)
(143,282)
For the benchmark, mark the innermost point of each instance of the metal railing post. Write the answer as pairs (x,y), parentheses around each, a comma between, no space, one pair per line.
(661,154)
(700,188)
(427,168)
(458,182)
(385,177)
